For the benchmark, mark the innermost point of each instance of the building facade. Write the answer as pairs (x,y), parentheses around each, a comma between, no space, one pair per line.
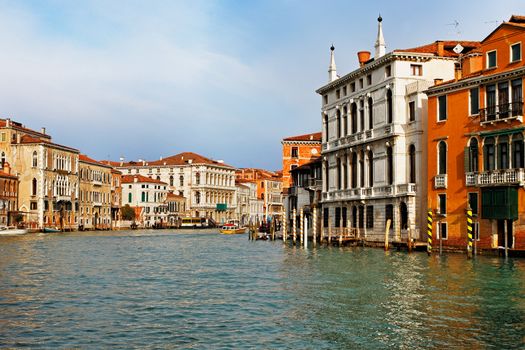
(176,209)
(95,201)
(8,197)
(299,150)
(374,138)
(306,190)
(148,197)
(207,185)
(476,148)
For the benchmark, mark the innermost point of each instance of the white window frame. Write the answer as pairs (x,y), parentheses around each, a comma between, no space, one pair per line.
(439,203)
(438,108)
(470,101)
(475,228)
(510,52)
(439,230)
(487,58)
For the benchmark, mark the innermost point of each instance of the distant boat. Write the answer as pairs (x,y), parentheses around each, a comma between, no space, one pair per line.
(232,228)
(50,230)
(12,231)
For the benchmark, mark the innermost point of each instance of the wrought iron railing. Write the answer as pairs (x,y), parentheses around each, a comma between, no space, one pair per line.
(501,112)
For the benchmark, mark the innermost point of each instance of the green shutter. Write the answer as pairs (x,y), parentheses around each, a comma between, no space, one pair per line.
(466,159)
(499,203)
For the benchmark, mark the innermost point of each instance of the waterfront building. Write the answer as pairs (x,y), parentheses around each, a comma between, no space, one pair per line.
(269,189)
(242,213)
(475,144)
(47,174)
(176,209)
(148,197)
(299,150)
(306,190)
(116,197)
(208,185)
(8,197)
(95,189)
(374,138)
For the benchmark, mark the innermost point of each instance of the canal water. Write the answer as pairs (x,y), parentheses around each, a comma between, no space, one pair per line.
(161,289)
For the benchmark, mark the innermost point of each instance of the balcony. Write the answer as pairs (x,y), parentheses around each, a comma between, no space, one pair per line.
(440,181)
(97,203)
(504,112)
(360,193)
(471,179)
(408,189)
(315,183)
(501,177)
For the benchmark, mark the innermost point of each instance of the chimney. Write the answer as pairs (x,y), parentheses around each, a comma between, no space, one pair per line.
(135,179)
(457,71)
(43,130)
(7,168)
(438,81)
(18,136)
(363,57)
(440,48)
(8,122)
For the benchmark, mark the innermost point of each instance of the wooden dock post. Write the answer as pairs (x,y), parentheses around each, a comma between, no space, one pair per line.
(386,233)
(506,239)
(285,221)
(305,240)
(409,240)
(294,225)
(272,229)
(301,225)
(469,232)
(314,226)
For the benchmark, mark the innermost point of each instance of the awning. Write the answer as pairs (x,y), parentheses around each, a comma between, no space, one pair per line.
(502,132)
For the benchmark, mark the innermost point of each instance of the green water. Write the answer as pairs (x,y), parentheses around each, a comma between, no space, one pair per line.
(161,289)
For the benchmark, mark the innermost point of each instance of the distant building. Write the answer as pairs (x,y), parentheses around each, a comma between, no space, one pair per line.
(116,198)
(476,144)
(207,185)
(148,197)
(306,189)
(374,138)
(299,150)
(176,209)
(269,189)
(8,196)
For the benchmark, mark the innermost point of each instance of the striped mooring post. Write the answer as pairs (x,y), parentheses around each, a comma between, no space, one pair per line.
(429,231)
(469,232)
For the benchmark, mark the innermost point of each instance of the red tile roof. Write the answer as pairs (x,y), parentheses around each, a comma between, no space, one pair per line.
(86,159)
(4,174)
(172,195)
(316,136)
(19,126)
(448,45)
(183,158)
(26,139)
(128,179)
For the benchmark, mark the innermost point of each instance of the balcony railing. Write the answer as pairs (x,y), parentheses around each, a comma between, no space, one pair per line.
(371,192)
(315,182)
(502,112)
(501,177)
(440,181)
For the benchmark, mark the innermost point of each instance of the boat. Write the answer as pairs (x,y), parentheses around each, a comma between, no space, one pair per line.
(232,228)
(50,230)
(12,231)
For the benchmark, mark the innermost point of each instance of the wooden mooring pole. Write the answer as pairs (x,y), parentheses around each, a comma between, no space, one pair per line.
(285,222)
(301,225)
(314,227)
(387,231)
(294,225)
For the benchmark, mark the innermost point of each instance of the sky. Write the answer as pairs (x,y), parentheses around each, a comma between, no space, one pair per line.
(225,79)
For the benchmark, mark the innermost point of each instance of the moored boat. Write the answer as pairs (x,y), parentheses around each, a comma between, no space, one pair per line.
(12,231)
(50,230)
(232,228)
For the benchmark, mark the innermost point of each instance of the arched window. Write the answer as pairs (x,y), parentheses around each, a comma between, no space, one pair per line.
(362,168)
(354,216)
(489,160)
(503,152)
(181,180)
(389,107)
(171,180)
(338,121)
(370,113)
(339,174)
(35,159)
(404,215)
(34,187)
(326,128)
(353,117)
(412,163)
(370,169)
(389,166)
(354,170)
(517,151)
(197,178)
(362,115)
(473,155)
(442,158)
(345,121)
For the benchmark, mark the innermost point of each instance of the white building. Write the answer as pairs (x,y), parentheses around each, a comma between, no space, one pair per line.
(250,209)
(374,138)
(208,185)
(148,197)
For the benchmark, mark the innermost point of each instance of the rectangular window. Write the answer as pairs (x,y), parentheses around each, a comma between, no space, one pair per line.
(325,217)
(491,59)
(344,91)
(474,101)
(33,206)
(416,69)
(388,71)
(412,111)
(361,216)
(361,83)
(473,202)
(295,152)
(442,202)
(337,217)
(3,137)
(325,99)
(475,230)
(370,216)
(442,230)
(515,52)
(369,79)
(338,94)
(442,107)
(389,214)
(352,87)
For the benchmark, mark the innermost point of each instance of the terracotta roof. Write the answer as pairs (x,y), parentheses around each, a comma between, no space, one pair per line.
(26,139)
(316,136)
(4,174)
(19,126)
(448,45)
(172,195)
(86,159)
(127,179)
(183,158)
(110,162)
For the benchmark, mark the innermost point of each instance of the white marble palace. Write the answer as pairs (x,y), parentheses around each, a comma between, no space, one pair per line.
(374,138)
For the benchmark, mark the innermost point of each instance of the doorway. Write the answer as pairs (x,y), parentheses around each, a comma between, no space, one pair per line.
(501,233)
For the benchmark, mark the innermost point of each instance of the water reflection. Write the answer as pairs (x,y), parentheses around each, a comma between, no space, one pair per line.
(201,290)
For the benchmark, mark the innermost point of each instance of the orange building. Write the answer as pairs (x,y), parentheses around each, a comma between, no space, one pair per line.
(269,188)
(299,150)
(475,145)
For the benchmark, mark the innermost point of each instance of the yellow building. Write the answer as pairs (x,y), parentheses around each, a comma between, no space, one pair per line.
(95,199)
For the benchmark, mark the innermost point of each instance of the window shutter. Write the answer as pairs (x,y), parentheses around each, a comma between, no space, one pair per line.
(466,157)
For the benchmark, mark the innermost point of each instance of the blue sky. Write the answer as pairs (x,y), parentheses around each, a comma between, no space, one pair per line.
(226,79)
